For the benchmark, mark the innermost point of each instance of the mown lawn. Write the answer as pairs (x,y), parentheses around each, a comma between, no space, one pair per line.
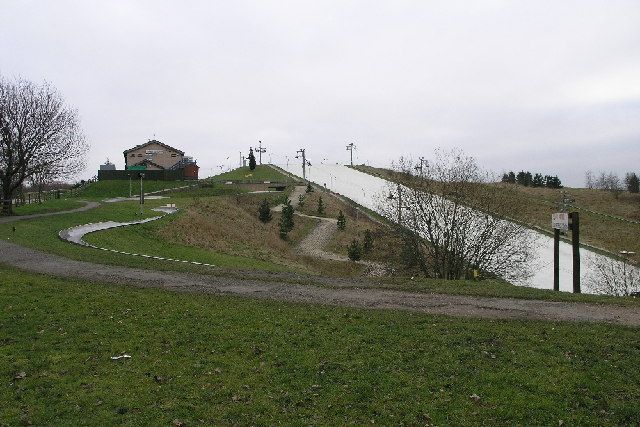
(497,288)
(53,205)
(120,188)
(200,359)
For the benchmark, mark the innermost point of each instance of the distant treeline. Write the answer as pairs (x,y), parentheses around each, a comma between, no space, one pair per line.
(532,180)
(611,182)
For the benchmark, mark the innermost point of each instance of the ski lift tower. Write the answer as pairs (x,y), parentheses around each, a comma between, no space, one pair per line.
(350,148)
(260,149)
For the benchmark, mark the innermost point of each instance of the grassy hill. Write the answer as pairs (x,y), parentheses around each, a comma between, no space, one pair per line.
(260,174)
(606,222)
(120,188)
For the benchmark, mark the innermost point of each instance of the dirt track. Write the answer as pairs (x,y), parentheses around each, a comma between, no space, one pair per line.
(331,291)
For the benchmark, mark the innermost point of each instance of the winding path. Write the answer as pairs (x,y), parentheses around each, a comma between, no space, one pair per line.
(330,291)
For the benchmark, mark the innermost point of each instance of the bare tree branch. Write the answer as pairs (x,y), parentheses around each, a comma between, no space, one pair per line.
(39,135)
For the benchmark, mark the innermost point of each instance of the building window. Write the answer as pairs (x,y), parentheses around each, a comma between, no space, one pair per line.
(139,154)
(132,155)
(173,154)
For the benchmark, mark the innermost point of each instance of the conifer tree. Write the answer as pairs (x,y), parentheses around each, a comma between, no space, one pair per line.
(633,182)
(354,251)
(367,244)
(252,160)
(342,221)
(264,212)
(538,180)
(320,207)
(286,220)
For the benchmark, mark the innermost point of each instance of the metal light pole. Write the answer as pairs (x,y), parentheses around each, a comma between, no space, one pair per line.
(141,190)
(304,162)
(350,148)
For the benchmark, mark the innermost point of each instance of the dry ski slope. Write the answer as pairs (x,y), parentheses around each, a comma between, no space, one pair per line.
(369,191)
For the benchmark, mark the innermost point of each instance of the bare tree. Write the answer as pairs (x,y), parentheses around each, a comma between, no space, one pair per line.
(589,179)
(454,220)
(609,182)
(612,276)
(39,134)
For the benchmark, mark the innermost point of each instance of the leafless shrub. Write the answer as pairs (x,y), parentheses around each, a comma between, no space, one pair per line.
(612,276)
(454,222)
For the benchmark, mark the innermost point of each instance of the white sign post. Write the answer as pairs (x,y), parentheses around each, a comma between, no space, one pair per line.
(560,221)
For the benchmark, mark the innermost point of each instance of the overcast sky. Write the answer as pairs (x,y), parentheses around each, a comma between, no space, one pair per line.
(550,86)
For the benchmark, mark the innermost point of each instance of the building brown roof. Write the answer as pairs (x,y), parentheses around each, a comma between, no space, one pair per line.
(153,141)
(147,161)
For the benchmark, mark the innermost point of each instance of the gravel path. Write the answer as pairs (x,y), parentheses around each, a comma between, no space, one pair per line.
(504,308)
(313,244)
(294,197)
(319,237)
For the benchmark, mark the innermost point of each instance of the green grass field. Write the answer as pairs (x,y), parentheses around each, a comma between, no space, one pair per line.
(200,359)
(53,205)
(120,188)
(260,174)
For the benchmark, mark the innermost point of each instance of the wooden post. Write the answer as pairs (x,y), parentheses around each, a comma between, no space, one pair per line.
(575,243)
(556,259)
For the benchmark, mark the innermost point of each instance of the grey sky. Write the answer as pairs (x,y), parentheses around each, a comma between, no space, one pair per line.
(550,86)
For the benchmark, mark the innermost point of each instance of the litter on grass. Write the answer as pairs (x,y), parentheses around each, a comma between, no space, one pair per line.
(122,356)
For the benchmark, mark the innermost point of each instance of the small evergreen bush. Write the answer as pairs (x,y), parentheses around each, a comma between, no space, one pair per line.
(264,211)
(320,209)
(354,251)
(342,221)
